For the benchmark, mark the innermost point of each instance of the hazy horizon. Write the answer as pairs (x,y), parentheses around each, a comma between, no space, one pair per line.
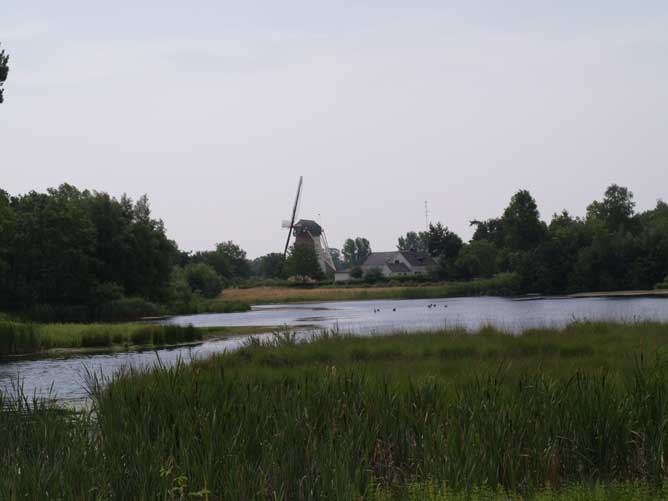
(215,110)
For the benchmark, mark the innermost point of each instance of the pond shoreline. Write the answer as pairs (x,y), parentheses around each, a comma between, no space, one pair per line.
(209,334)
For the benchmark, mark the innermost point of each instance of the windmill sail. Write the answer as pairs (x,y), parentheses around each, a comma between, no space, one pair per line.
(295,208)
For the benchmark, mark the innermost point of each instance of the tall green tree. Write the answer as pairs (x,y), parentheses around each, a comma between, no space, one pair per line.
(68,248)
(443,243)
(477,259)
(490,230)
(444,246)
(615,210)
(521,223)
(228,259)
(414,241)
(355,251)
(4,71)
(302,263)
(269,265)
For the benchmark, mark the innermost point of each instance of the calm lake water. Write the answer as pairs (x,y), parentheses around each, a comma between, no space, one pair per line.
(65,377)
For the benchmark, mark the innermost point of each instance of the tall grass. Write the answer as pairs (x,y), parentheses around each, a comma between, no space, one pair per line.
(20,338)
(332,433)
(504,284)
(351,418)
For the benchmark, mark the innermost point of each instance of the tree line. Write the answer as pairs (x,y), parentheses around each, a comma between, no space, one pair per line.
(611,248)
(80,254)
(71,254)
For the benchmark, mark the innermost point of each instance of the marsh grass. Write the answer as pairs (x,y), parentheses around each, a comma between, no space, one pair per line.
(17,338)
(577,413)
(502,285)
(20,338)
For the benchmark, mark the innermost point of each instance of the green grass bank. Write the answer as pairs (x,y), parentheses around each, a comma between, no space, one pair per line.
(575,413)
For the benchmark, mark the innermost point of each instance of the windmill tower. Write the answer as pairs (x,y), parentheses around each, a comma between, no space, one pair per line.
(307,231)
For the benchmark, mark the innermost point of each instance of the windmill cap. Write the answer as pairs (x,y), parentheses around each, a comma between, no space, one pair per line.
(308,225)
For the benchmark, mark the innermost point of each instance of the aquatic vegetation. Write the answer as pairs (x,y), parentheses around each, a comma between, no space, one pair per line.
(17,338)
(22,338)
(577,413)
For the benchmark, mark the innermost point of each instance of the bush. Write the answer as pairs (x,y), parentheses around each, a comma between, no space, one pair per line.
(107,291)
(374,275)
(203,278)
(661,286)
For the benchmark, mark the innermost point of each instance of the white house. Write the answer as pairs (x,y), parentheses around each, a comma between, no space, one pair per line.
(399,263)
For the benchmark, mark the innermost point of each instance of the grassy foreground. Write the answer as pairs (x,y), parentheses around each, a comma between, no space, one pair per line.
(578,413)
(504,284)
(24,338)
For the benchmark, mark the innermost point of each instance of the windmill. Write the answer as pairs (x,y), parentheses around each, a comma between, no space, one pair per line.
(308,232)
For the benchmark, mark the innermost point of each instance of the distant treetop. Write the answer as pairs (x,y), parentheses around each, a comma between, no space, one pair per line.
(4,70)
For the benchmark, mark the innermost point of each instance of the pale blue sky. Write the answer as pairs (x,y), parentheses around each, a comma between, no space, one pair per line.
(215,108)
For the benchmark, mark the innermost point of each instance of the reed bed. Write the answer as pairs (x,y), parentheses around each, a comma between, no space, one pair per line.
(289,420)
(22,338)
(503,285)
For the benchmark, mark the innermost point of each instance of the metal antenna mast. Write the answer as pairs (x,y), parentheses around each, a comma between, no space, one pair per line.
(426,215)
(294,215)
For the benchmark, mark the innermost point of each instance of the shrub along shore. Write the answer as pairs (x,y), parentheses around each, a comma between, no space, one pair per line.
(574,413)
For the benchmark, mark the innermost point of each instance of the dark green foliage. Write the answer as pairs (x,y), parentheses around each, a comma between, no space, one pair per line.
(66,252)
(131,308)
(413,241)
(373,275)
(268,266)
(616,209)
(490,230)
(4,71)
(611,249)
(229,261)
(303,264)
(203,279)
(477,259)
(444,246)
(356,272)
(440,243)
(522,228)
(443,243)
(355,251)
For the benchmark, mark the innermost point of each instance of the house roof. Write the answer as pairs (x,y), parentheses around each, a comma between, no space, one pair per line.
(418,258)
(398,267)
(378,259)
